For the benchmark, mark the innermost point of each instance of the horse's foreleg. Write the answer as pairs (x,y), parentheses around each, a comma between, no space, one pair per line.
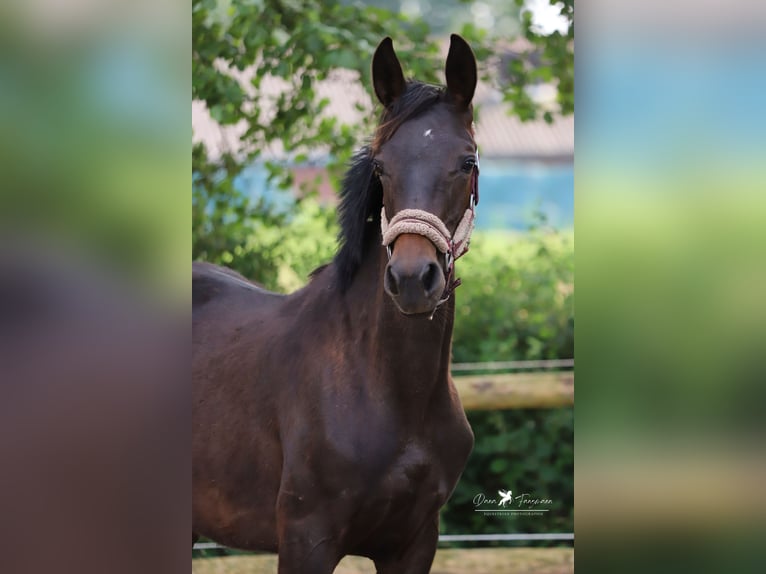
(418,556)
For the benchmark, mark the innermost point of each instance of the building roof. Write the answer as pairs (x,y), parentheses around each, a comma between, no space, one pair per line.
(501,135)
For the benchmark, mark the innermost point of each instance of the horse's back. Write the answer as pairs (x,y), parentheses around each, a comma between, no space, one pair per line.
(212,283)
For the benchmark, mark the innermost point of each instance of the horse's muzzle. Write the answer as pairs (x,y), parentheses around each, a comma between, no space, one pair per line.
(414,278)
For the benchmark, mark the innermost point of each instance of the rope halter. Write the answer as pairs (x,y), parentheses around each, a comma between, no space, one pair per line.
(452,245)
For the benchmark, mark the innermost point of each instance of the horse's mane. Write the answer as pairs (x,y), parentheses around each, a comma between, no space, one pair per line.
(361,195)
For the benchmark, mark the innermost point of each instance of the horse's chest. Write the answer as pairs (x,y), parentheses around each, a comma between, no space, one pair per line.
(415,466)
(427,467)
(419,478)
(412,488)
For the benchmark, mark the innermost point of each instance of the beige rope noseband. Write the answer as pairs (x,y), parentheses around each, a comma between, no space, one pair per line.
(431,227)
(452,245)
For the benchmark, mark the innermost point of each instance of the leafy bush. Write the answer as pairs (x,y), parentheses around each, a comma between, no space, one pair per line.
(278,251)
(516,303)
(526,451)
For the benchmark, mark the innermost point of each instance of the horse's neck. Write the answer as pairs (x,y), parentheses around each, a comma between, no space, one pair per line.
(411,353)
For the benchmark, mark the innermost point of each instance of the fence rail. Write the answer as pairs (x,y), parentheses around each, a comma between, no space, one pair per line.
(520,537)
(514,365)
(516,390)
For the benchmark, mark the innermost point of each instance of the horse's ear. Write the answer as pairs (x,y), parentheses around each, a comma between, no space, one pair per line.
(387,76)
(460,71)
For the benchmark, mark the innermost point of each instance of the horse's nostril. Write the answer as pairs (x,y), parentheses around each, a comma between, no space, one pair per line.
(391,281)
(429,277)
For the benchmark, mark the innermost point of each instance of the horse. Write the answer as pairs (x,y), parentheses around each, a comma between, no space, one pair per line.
(325,422)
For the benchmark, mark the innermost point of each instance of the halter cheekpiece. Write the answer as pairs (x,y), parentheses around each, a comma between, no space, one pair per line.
(452,245)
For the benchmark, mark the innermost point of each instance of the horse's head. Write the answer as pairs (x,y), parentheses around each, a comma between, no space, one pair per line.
(425,156)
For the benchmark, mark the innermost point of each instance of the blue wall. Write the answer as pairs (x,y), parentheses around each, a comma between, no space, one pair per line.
(510,193)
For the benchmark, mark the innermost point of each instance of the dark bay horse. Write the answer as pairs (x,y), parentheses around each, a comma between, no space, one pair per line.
(325,422)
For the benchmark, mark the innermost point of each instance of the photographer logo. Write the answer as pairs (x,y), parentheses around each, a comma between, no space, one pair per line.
(509,504)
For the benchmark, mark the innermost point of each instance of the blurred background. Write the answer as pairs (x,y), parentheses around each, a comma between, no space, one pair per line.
(281,98)
(94,286)
(670,265)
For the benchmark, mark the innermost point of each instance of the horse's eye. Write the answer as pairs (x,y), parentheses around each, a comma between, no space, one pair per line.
(377,168)
(468,165)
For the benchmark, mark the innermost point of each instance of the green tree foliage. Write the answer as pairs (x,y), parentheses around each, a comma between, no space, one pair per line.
(555,55)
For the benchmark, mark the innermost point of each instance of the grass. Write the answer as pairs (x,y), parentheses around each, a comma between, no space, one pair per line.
(448,561)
